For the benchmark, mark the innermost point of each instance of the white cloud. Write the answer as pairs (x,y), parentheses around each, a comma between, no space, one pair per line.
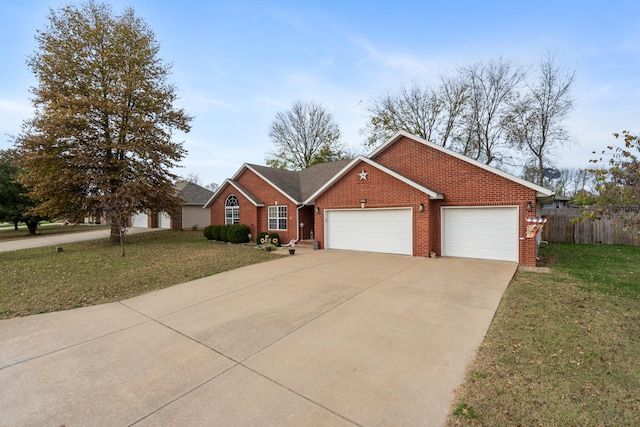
(410,66)
(220,104)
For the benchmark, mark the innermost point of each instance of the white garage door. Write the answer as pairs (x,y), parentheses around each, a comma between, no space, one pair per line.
(165,220)
(140,220)
(371,230)
(485,233)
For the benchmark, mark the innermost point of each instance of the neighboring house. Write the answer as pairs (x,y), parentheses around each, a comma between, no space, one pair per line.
(191,215)
(558,202)
(195,197)
(409,197)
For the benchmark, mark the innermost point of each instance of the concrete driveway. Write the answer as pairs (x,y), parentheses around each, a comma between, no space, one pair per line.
(320,338)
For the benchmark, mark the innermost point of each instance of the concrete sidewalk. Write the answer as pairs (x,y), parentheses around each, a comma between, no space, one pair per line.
(320,338)
(60,239)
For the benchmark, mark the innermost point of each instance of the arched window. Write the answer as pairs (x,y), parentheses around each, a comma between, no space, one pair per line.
(231,210)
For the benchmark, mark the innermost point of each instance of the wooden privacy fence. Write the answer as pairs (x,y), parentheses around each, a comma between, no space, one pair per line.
(560,227)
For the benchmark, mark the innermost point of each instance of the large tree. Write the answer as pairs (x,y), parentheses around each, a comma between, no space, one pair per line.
(490,111)
(416,109)
(303,136)
(14,198)
(100,140)
(466,112)
(429,113)
(492,86)
(536,119)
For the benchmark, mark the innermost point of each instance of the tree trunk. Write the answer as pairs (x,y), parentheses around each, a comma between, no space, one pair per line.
(114,237)
(32,225)
(15,225)
(540,171)
(121,242)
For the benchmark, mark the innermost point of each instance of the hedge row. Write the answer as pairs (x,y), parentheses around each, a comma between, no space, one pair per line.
(236,233)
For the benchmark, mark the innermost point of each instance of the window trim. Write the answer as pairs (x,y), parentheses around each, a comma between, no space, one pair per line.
(231,210)
(281,215)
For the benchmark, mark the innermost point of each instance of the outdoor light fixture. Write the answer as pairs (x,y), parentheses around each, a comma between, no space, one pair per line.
(421,207)
(317,210)
(529,206)
(362,202)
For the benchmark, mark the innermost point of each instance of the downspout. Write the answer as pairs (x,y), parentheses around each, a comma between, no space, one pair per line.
(298,222)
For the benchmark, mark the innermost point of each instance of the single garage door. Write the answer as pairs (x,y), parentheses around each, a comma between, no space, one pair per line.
(140,220)
(485,233)
(165,220)
(371,230)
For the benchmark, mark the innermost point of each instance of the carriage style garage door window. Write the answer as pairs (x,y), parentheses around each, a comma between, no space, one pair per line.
(480,232)
(370,230)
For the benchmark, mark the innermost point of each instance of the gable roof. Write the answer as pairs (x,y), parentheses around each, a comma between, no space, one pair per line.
(192,194)
(303,187)
(541,192)
(240,188)
(432,194)
(285,181)
(295,185)
(314,177)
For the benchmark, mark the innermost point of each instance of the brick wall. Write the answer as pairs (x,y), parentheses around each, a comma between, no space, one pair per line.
(381,190)
(462,184)
(256,217)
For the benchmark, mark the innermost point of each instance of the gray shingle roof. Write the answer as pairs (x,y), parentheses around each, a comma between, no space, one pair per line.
(192,194)
(300,185)
(256,201)
(311,179)
(287,181)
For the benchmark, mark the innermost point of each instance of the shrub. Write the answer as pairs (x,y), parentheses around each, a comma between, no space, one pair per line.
(215,231)
(238,233)
(275,239)
(261,236)
(223,232)
(208,230)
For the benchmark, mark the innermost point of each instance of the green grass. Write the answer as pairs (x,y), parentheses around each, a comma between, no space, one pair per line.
(563,348)
(43,280)
(612,269)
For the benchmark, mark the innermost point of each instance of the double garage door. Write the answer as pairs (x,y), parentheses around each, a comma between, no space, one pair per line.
(371,230)
(485,233)
(142,220)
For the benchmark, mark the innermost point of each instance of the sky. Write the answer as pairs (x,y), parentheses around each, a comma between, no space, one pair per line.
(236,63)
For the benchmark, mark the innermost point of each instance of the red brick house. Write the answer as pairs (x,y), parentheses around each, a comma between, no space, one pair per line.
(407,197)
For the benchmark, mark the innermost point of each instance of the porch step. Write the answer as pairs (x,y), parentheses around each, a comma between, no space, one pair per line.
(305,243)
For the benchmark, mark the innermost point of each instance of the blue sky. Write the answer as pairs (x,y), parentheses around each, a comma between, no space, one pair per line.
(237,63)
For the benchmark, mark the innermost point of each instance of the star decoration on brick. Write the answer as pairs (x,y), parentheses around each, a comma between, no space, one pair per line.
(363,175)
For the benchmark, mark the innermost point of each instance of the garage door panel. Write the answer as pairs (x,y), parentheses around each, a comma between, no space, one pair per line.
(140,220)
(165,220)
(482,232)
(371,230)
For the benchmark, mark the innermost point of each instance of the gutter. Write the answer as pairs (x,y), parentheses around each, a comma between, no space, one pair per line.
(298,222)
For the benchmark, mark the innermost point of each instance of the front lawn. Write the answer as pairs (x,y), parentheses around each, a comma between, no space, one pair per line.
(87,273)
(563,349)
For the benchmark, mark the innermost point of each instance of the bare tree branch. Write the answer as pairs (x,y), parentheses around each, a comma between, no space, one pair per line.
(303,136)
